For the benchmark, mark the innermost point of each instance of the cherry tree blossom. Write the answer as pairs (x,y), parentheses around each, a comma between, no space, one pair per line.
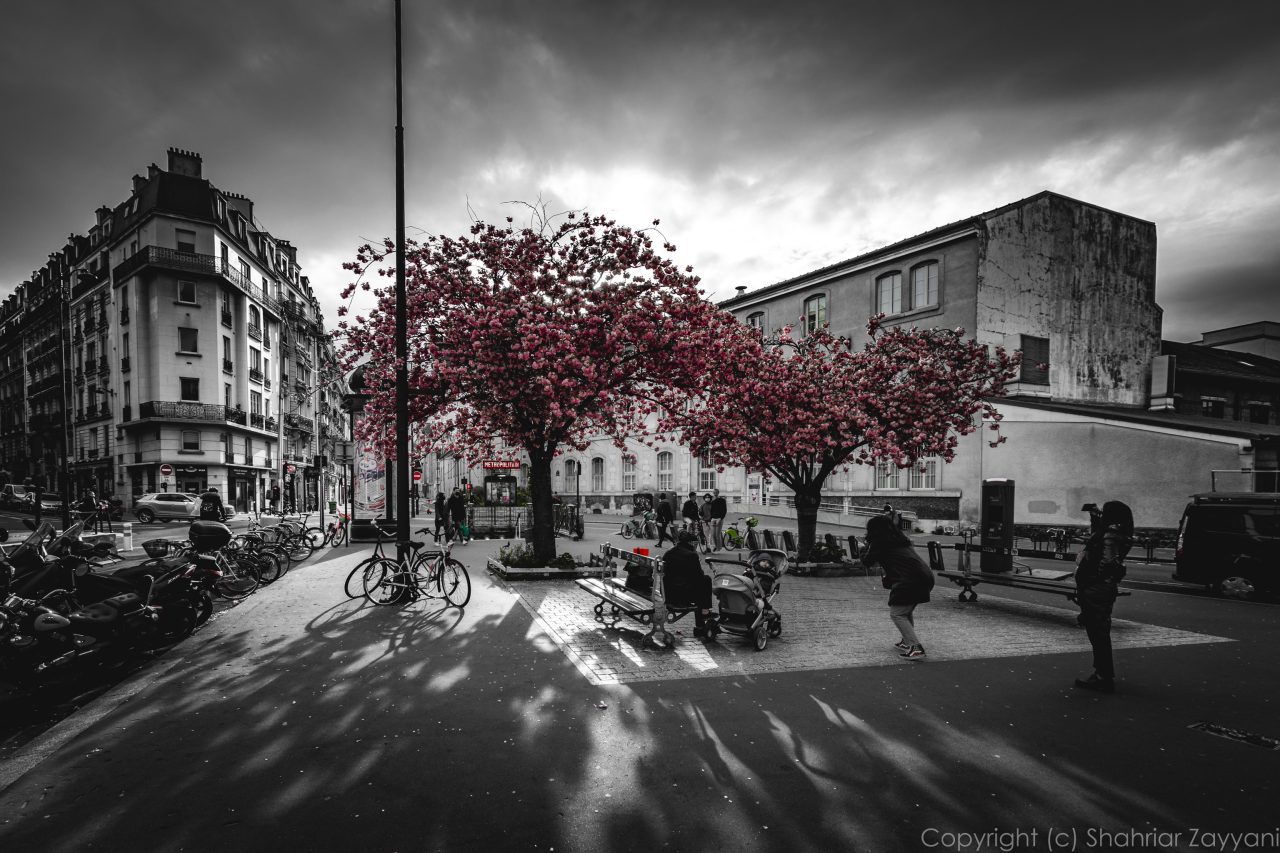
(803,408)
(539,338)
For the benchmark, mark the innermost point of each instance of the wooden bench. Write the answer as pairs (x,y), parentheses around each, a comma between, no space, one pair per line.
(968,579)
(621,601)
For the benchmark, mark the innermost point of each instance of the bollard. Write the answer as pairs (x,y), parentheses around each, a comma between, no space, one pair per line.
(128,535)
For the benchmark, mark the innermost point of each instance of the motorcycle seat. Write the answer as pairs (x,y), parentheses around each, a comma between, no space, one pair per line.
(99,613)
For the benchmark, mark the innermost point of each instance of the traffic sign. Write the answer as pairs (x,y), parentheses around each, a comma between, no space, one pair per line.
(166,470)
(417,476)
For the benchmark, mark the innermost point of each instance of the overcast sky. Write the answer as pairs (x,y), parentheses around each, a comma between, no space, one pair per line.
(769,138)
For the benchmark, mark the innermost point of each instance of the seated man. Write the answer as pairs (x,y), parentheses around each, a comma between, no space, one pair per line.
(684,581)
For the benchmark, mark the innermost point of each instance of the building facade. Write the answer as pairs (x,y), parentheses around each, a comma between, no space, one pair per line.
(190,356)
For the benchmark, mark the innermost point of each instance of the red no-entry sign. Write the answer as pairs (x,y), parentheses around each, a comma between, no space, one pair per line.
(417,476)
(166,470)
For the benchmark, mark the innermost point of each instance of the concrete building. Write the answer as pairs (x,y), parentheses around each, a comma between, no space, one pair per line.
(175,306)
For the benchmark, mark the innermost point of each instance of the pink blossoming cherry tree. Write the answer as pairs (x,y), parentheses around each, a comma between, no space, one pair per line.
(539,338)
(803,408)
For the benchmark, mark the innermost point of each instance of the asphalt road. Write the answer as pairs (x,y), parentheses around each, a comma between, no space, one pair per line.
(305,720)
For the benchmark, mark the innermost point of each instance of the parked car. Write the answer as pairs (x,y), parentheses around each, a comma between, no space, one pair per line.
(50,503)
(1230,541)
(164,506)
(14,496)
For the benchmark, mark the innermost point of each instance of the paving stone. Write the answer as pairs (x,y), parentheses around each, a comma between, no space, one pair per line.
(827,624)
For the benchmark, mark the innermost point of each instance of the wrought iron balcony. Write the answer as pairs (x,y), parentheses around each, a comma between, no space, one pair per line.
(255,373)
(256,420)
(271,424)
(102,364)
(226,319)
(255,332)
(227,366)
(266,382)
(124,364)
(185,410)
(172,259)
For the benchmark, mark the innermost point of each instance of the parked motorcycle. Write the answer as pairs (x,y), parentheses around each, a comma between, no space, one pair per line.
(57,613)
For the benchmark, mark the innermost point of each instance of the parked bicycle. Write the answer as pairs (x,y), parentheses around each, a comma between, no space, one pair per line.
(644,526)
(422,573)
(735,539)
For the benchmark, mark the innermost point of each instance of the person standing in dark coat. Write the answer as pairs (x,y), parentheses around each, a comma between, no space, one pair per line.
(689,512)
(719,509)
(457,515)
(906,576)
(685,584)
(1099,570)
(665,517)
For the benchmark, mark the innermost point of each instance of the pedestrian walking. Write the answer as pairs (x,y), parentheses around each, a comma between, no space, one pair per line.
(442,516)
(413,499)
(906,576)
(665,517)
(1099,570)
(719,509)
(211,508)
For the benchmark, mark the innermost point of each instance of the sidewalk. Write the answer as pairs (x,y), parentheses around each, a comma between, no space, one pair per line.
(305,720)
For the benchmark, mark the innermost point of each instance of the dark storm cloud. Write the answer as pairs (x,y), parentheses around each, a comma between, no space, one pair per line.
(770,138)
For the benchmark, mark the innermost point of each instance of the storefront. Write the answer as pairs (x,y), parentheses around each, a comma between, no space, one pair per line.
(192,479)
(242,493)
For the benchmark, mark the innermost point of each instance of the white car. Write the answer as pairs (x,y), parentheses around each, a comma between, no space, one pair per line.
(163,506)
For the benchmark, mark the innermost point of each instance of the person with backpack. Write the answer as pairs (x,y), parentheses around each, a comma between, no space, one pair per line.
(1099,570)
(906,576)
(665,517)
(442,516)
(211,508)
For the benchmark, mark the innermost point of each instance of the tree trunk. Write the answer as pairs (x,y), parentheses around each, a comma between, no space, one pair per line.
(806,522)
(543,530)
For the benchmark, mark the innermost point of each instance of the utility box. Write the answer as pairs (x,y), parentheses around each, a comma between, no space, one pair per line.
(997,526)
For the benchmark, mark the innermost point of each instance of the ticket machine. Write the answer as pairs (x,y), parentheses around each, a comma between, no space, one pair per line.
(997,525)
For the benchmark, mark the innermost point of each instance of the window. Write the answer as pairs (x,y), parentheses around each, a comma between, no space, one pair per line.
(1035,360)
(706,472)
(1259,413)
(756,320)
(255,358)
(924,475)
(887,476)
(597,474)
(1213,407)
(665,476)
(187,292)
(186,240)
(190,440)
(628,474)
(127,394)
(924,285)
(889,293)
(815,312)
(244,270)
(188,339)
(255,403)
(190,388)
(255,318)
(124,344)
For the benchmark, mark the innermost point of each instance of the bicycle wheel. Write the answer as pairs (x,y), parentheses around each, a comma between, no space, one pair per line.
(238,580)
(355,585)
(314,537)
(269,568)
(454,583)
(386,583)
(339,536)
(297,547)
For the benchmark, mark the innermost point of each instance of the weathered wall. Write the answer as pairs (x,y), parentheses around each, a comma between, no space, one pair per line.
(1061,462)
(1084,278)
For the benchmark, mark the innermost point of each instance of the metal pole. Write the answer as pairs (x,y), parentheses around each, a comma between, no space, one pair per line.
(402,345)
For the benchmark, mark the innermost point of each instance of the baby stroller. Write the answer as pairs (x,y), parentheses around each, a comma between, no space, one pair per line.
(744,596)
